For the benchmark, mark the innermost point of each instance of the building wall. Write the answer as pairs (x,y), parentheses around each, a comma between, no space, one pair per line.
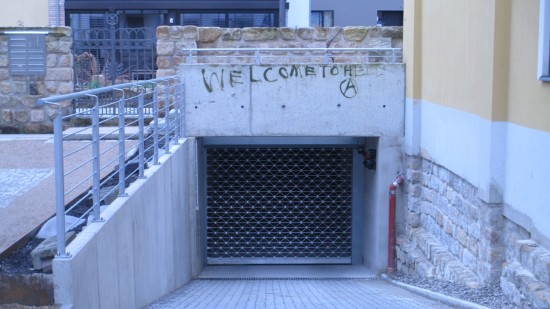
(476,109)
(298,14)
(356,13)
(24,13)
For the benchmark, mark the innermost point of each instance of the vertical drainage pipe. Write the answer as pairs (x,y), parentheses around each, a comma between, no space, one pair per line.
(391,230)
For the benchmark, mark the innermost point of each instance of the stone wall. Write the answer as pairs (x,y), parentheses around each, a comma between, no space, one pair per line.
(526,272)
(449,233)
(171,42)
(19,112)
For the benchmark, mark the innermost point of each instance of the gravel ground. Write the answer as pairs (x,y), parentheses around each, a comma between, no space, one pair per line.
(490,296)
(19,262)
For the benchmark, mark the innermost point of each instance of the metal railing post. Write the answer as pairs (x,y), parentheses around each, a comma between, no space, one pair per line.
(326,56)
(96,164)
(393,57)
(141,136)
(182,110)
(121,145)
(177,109)
(258,57)
(155,125)
(167,123)
(59,183)
(190,57)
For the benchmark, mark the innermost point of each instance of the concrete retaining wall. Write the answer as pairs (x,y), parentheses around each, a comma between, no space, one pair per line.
(294,100)
(143,249)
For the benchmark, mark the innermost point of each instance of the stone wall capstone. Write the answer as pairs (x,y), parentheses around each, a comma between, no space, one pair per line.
(19,112)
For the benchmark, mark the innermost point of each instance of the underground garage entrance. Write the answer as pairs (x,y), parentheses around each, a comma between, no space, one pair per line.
(282,204)
(280,176)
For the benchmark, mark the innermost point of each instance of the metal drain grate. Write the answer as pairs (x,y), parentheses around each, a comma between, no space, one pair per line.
(279,205)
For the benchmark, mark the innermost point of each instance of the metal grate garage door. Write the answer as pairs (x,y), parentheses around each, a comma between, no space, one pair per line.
(279,205)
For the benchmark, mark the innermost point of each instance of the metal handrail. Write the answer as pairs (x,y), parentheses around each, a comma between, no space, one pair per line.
(172,89)
(390,55)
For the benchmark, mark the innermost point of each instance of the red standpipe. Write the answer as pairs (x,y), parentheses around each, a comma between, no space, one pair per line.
(391,231)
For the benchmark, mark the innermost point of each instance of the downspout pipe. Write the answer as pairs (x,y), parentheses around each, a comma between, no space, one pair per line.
(391,228)
(57,13)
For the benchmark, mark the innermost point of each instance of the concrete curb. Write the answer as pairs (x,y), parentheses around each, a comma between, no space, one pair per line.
(451,301)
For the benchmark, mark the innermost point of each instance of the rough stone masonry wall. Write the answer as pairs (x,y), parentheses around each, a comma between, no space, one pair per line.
(449,233)
(171,42)
(19,112)
(526,272)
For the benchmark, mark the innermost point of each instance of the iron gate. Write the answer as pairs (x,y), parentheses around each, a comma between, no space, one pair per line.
(279,205)
(111,55)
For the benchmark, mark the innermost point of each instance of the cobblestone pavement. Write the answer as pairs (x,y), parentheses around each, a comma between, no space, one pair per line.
(293,294)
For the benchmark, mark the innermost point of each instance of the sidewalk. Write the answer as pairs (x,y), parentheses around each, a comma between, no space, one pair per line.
(27,182)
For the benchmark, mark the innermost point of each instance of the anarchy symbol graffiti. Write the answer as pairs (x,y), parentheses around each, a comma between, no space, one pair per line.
(349,88)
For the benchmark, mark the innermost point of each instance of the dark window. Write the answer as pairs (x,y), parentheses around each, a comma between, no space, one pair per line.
(87,21)
(228,19)
(203,19)
(321,19)
(390,18)
(135,21)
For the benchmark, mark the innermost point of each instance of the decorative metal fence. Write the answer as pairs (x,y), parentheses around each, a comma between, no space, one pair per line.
(109,56)
(91,169)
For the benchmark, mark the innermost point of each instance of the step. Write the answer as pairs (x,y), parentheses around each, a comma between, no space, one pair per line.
(409,254)
(534,257)
(447,266)
(518,283)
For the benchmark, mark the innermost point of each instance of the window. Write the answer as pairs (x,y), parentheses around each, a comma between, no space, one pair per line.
(390,18)
(203,19)
(322,19)
(544,41)
(229,19)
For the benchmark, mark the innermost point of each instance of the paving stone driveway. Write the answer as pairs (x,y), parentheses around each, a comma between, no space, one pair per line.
(287,293)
